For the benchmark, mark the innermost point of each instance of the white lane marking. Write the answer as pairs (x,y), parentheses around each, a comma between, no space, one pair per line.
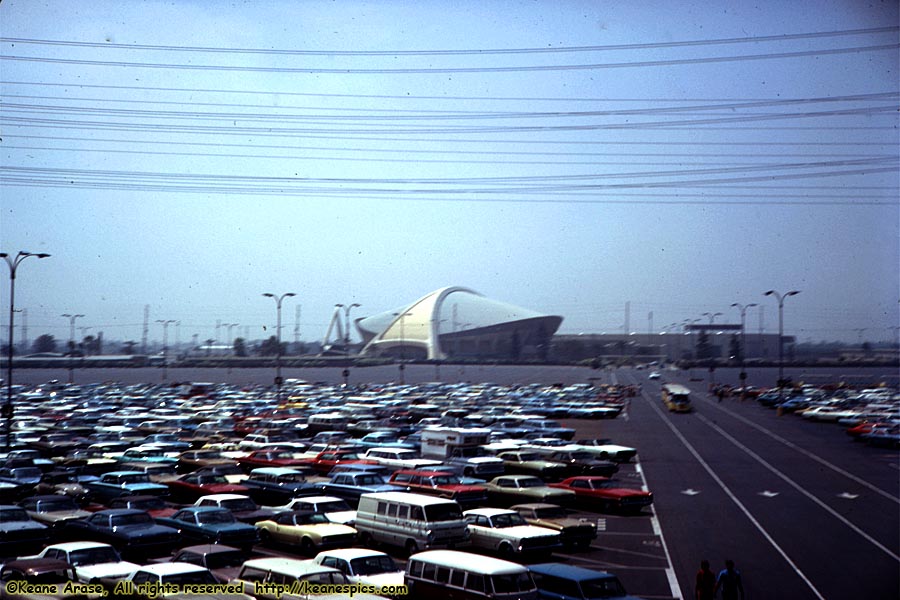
(800,489)
(806,453)
(674,586)
(848,496)
(690,492)
(768,494)
(733,498)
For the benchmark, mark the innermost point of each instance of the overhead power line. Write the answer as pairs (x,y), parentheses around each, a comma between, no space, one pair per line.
(427,70)
(450,52)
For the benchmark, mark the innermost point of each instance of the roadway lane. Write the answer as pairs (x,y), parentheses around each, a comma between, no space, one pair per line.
(795,504)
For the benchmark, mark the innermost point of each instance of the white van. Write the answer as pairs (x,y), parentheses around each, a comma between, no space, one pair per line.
(452,575)
(411,521)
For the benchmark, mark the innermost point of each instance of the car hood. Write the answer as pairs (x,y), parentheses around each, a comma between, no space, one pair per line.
(559,524)
(21,526)
(394,578)
(342,517)
(526,531)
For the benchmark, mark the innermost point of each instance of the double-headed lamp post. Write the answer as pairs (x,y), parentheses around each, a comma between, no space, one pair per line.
(278,301)
(13,264)
(347,308)
(781,298)
(71,343)
(743,310)
(165,323)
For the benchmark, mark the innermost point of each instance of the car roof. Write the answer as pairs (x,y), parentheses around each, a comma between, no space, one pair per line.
(171,568)
(351,553)
(73,546)
(489,512)
(567,571)
(219,497)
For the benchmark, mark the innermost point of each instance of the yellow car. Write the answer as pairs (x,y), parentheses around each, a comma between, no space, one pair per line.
(308,530)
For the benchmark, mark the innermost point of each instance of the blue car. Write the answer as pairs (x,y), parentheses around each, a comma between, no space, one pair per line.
(211,525)
(557,581)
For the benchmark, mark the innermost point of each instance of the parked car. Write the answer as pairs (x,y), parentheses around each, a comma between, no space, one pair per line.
(223,561)
(213,525)
(579,462)
(444,484)
(607,450)
(529,462)
(573,532)
(605,494)
(132,532)
(55,574)
(175,575)
(242,507)
(362,565)
(94,562)
(124,483)
(278,485)
(334,509)
(505,532)
(19,533)
(516,489)
(152,505)
(350,486)
(52,509)
(188,488)
(307,530)
(558,581)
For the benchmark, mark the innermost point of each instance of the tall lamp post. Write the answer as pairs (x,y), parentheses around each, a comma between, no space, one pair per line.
(13,264)
(781,298)
(278,301)
(165,323)
(71,343)
(347,308)
(743,310)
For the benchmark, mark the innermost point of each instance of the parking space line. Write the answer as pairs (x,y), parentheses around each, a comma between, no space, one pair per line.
(799,488)
(806,453)
(690,448)
(674,586)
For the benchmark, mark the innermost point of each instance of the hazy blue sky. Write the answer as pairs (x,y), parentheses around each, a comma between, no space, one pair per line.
(680,156)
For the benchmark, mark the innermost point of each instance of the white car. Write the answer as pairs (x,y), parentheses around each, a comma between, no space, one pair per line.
(506,532)
(654,375)
(335,509)
(362,565)
(93,561)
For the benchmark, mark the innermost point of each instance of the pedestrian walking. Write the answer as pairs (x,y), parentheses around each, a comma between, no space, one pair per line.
(705,589)
(729,581)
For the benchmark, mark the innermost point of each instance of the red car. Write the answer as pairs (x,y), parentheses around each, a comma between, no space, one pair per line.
(443,484)
(605,493)
(193,485)
(271,458)
(326,460)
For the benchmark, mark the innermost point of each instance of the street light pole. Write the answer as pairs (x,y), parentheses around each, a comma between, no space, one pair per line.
(278,301)
(13,264)
(165,324)
(781,298)
(71,343)
(743,310)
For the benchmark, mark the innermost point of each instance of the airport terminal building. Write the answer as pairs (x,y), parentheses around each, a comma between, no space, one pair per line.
(456,323)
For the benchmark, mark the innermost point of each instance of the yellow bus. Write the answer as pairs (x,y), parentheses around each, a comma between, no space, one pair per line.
(677,398)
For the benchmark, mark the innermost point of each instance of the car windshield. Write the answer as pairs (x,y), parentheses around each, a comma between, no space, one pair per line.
(512,583)
(60,505)
(215,516)
(8,515)
(310,519)
(222,560)
(581,455)
(443,512)
(136,478)
(508,520)
(530,482)
(131,519)
(211,479)
(550,513)
(528,456)
(239,504)
(194,577)
(292,478)
(446,480)
(373,565)
(606,587)
(335,506)
(93,556)
(370,480)
(229,470)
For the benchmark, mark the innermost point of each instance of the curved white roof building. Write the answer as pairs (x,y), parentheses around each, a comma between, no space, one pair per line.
(457,322)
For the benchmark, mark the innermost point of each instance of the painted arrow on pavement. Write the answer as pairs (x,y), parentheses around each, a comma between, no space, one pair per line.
(848,496)
(690,492)
(768,494)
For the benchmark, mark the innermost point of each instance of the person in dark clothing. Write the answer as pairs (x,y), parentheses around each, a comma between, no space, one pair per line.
(705,589)
(729,581)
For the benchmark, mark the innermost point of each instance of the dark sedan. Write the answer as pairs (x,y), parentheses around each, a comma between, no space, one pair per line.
(132,532)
